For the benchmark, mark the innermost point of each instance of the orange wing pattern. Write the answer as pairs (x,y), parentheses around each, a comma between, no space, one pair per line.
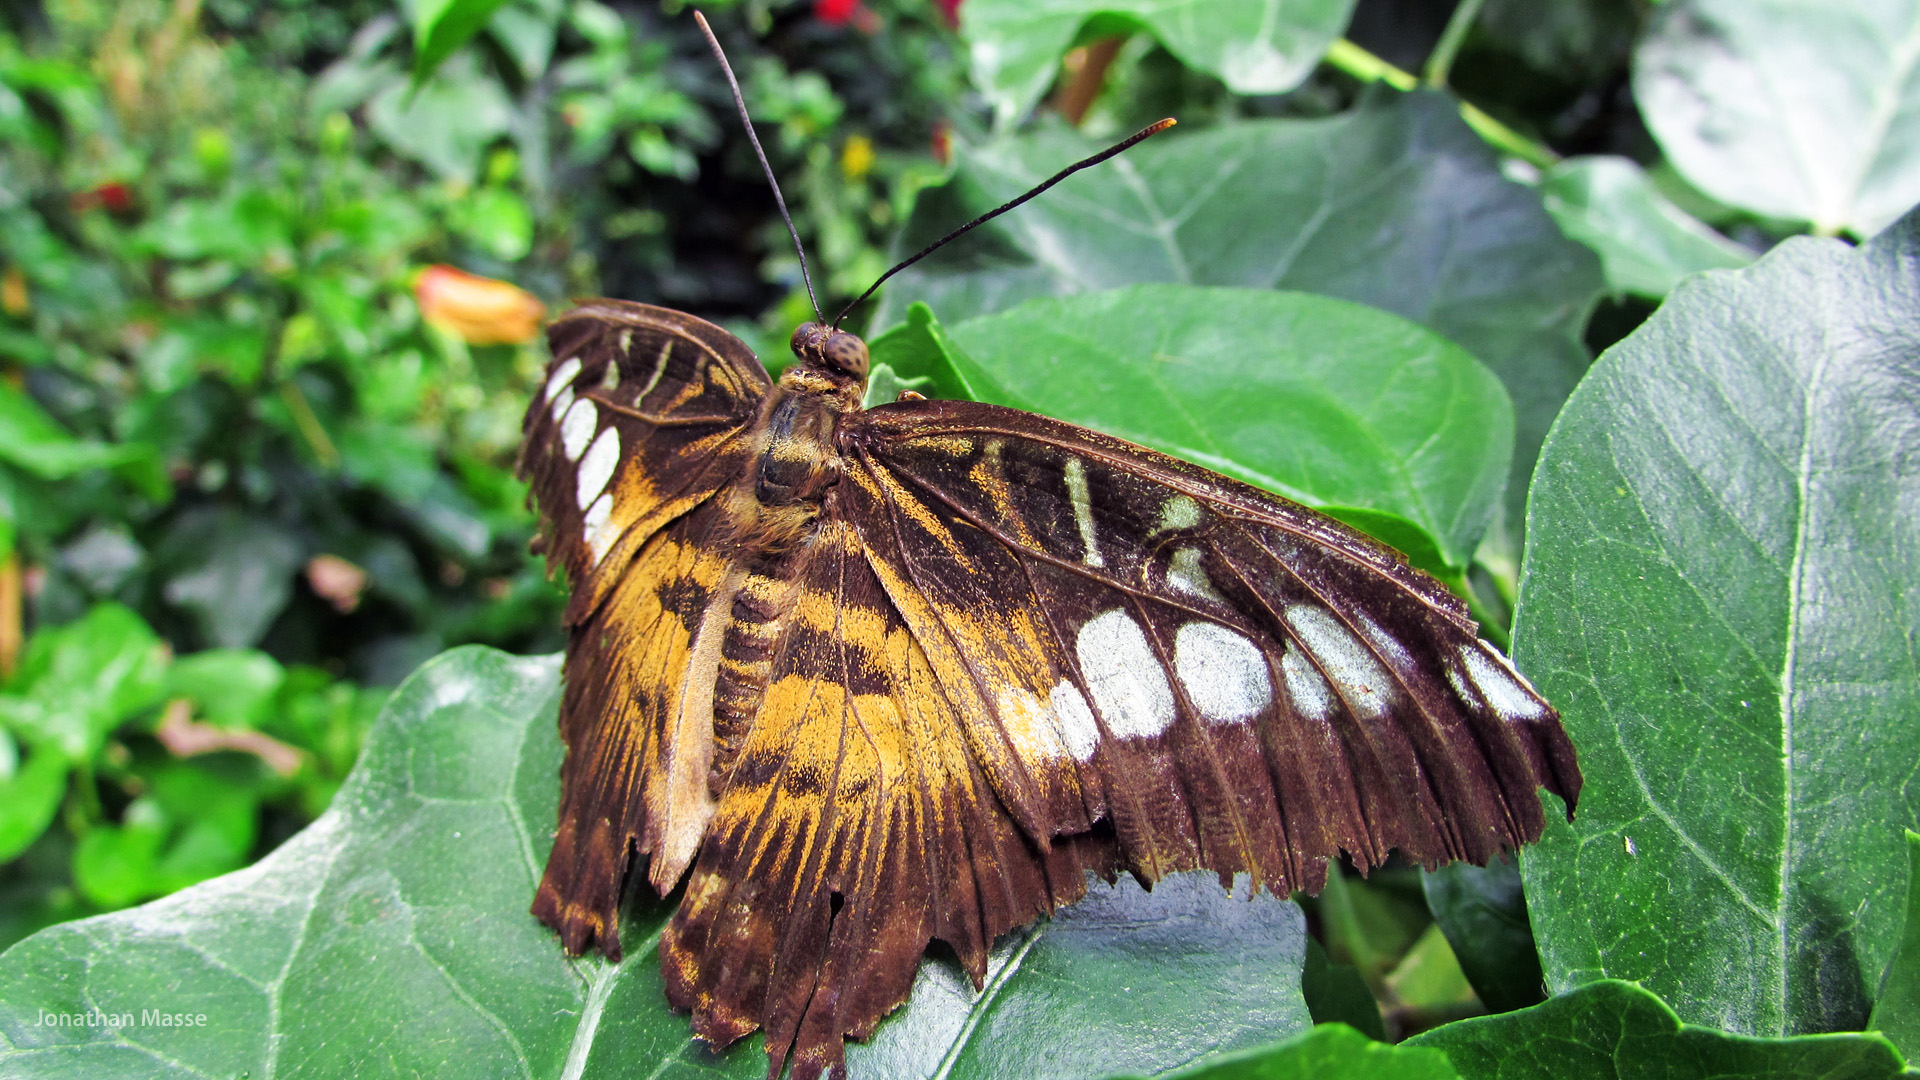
(855,827)
(643,417)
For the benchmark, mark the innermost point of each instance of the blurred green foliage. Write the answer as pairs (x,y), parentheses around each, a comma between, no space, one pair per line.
(244,484)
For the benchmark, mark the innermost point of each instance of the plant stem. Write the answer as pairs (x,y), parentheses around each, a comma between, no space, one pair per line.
(1441,62)
(1366,67)
(1088,76)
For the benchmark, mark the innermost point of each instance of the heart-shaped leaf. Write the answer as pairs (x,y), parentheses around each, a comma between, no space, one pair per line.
(1724,534)
(1254,46)
(1396,204)
(1798,109)
(396,927)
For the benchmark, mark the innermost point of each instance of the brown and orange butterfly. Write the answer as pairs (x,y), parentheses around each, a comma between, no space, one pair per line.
(881,676)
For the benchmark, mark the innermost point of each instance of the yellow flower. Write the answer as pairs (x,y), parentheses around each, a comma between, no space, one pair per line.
(13,292)
(856,157)
(482,311)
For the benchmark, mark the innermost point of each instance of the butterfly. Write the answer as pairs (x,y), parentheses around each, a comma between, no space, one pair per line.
(868,677)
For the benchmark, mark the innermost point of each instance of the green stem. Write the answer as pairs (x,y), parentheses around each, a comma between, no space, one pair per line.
(1441,62)
(1366,67)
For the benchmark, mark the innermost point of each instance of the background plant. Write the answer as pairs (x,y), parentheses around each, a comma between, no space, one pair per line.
(1463,207)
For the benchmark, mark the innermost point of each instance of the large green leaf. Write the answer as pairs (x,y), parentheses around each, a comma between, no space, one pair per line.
(1724,538)
(394,932)
(1329,403)
(1617,1031)
(1254,46)
(1799,109)
(1396,204)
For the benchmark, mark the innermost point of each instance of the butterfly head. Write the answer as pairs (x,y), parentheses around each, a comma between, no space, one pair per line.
(823,346)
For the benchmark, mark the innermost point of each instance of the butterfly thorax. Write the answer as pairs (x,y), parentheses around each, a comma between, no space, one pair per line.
(774,513)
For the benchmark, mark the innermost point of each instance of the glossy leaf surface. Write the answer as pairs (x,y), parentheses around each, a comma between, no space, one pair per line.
(1807,110)
(1723,531)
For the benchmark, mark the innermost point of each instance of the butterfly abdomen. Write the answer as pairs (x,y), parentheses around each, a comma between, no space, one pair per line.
(759,617)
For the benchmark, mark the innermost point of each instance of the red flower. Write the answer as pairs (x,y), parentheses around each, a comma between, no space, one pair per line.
(835,12)
(951,9)
(115,196)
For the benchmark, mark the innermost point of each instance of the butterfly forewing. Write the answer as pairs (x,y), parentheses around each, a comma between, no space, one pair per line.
(1236,682)
(643,416)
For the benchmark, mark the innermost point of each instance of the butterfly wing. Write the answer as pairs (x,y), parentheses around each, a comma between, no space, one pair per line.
(1019,651)
(645,414)
(1234,681)
(855,826)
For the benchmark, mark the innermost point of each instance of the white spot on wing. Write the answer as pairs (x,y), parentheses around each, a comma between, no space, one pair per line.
(597,467)
(1357,674)
(1502,686)
(1310,692)
(1186,573)
(1223,671)
(1126,680)
(1024,718)
(1179,512)
(1082,500)
(577,428)
(562,376)
(1077,729)
(598,527)
(659,369)
(562,403)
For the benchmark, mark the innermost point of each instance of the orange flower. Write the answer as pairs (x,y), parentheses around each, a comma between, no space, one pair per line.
(482,311)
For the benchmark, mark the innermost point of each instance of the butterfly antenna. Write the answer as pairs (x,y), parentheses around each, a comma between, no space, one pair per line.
(746,121)
(1138,136)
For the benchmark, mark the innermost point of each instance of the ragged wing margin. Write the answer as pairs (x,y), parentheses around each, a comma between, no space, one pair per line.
(641,419)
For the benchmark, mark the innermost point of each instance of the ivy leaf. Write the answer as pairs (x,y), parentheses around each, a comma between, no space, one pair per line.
(1798,109)
(1612,1030)
(1725,530)
(1254,46)
(1646,244)
(1396,204)
(396,926)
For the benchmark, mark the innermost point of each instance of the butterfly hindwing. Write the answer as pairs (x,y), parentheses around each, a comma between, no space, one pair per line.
(1236,682)
(644,415)
(854,827)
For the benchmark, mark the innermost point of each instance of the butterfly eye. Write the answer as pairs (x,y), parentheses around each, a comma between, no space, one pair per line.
(846,352)
(837,349)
